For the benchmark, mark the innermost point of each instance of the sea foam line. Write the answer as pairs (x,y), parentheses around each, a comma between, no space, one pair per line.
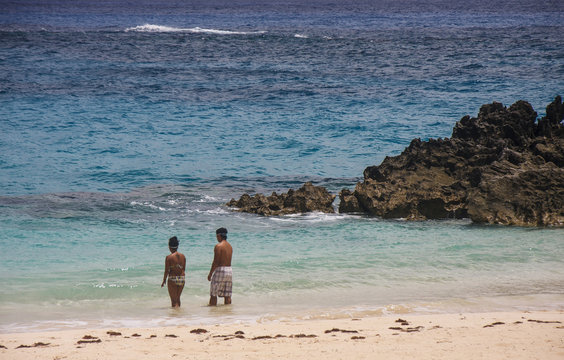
(195,30)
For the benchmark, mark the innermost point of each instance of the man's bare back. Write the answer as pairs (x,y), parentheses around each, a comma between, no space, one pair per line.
(222,253)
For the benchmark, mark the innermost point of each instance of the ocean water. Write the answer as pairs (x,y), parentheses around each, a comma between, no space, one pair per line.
(122,124)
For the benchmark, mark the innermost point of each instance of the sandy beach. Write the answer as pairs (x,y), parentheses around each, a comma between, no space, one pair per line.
(503,335)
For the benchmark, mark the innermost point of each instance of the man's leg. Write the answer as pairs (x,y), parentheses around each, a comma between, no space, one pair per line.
(227,300)
(213,300)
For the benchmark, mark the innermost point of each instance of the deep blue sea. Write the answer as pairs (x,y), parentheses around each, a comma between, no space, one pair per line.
(123,123)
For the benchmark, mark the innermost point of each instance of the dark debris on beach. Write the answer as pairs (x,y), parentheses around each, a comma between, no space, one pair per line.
(37,344)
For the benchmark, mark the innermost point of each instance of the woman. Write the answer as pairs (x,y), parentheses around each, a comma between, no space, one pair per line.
(175,264)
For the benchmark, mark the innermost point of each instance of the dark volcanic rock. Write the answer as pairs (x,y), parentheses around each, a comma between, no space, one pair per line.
(502,167)
(308,198)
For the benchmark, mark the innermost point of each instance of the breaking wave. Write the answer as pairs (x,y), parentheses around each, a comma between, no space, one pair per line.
(194,30)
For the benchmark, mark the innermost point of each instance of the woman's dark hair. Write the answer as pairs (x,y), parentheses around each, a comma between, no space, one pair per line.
(173,242)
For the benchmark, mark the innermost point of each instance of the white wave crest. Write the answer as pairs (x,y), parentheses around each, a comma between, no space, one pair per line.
(148,205)
(195,30)
(207,198)
(315,216)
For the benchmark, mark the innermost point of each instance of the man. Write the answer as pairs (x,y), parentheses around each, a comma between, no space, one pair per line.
(221,274)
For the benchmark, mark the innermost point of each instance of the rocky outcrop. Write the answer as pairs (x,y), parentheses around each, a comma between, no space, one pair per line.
(503,167)
(308,198)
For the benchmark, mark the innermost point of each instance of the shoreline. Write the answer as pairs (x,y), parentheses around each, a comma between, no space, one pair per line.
(196,313)
(491,335)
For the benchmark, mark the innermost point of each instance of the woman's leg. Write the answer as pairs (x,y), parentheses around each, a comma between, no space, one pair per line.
(171,290)
(178,293)
(174,291)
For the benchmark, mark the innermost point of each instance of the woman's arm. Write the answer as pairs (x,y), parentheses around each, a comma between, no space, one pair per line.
(165,272)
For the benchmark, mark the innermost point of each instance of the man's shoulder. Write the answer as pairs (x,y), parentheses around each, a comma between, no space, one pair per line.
(223,245)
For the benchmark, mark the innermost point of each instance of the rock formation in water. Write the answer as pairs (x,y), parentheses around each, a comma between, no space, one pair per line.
(308,198)
(503,167)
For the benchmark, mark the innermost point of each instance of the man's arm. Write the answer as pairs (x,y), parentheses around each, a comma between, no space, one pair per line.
(214,263)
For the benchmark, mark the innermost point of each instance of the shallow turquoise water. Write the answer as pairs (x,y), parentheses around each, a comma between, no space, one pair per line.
(76,269)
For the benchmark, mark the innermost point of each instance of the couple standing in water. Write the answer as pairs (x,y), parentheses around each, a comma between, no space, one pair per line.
(220,273)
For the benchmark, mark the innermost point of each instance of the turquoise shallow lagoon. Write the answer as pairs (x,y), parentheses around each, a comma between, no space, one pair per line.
(78,264)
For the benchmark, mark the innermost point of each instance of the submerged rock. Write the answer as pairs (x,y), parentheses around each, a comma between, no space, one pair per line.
(308,198)
(502,167)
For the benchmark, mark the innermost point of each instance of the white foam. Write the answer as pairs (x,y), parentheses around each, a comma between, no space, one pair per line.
(147,204)
(195,30)
(315,216)
(207,198)
(216,211)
